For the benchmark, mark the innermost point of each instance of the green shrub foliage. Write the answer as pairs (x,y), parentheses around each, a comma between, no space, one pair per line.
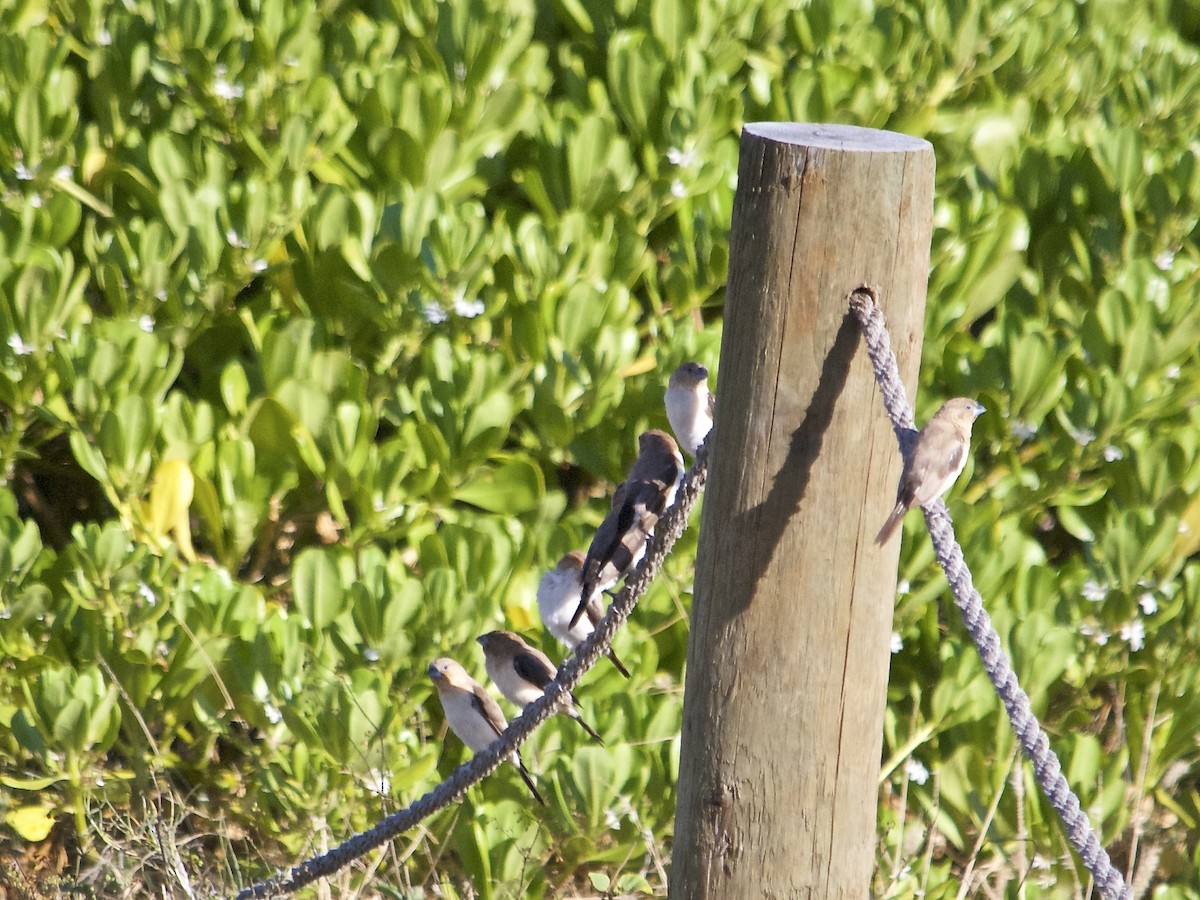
(325,329)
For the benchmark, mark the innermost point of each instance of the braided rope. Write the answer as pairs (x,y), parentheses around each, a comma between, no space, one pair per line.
(482,764)
(864,303)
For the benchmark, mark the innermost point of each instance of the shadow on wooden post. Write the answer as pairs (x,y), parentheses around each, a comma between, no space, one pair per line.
(791,624)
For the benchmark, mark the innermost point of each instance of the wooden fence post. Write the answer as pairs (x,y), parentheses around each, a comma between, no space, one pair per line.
(791,623)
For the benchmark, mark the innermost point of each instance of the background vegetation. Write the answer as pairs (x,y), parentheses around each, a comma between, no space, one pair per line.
(325,329)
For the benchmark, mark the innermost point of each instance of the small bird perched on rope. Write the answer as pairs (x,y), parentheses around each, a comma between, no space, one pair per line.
(937,458)
(522,673)
(557,595)
(472,713)
(689,405)
(620,541)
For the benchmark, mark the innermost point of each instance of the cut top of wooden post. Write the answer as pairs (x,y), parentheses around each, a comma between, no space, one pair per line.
(846,138)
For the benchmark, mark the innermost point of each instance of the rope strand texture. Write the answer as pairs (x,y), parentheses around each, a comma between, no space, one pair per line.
(482,764)
(864,303)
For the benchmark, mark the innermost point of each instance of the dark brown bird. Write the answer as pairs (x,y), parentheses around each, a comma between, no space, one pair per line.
(522,673)
(937,459)
(620,541)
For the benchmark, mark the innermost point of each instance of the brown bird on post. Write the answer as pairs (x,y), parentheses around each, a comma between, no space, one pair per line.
(937,459)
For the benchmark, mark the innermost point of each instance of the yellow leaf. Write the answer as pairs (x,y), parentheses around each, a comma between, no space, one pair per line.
(519,618)
(33,823)
(170,498)
(639,366)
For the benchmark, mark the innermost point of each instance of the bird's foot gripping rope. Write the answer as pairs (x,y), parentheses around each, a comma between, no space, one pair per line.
(482,764)
(864,303)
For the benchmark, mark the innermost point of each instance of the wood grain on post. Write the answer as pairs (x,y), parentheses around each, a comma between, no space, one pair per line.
(791,623)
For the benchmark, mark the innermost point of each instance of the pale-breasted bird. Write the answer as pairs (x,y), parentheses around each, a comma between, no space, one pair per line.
(558,594)
(937,459)
(620,541)
(690,405)
(472,713)
(522,673)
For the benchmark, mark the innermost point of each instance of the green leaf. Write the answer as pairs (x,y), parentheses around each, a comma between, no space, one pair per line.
(317,588)
(514,487)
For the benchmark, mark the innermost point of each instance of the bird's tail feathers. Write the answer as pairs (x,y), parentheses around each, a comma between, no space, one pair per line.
(588,728)
(617,662)
(585,596)
(528,779)
(889,527)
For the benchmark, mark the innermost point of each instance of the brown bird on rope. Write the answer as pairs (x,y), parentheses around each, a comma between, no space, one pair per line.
(473,714)
(620,541)
(522,673)
(937,459)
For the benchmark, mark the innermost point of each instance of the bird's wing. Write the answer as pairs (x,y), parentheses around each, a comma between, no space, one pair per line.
(486,706)
(954,463)
(537,671)
(657,467)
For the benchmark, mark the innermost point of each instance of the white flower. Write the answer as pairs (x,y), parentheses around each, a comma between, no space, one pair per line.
(434,314)
(227,91)
(1148,604)
(370,654)
(146,323)
(146,593)
(104,37)
(1112,454)
(18,346)
(678,189)
(897,642)
(903,586)
(1173,372)
(1134,634)
(1083,436)
(236,240)
(1094,590)
(22,172)
(468,309)
(224,89)
(271,711)
(1164,259)
(259,265)
(63,173)
(681,158)
(916,771)
(1022,431)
